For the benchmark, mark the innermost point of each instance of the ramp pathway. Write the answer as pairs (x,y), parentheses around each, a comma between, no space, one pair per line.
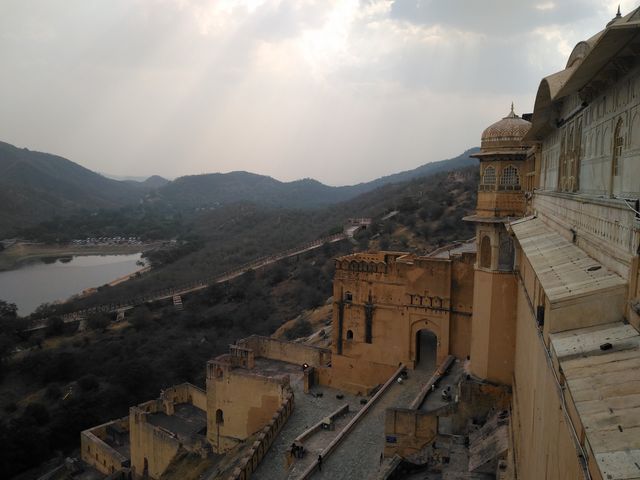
(308,410)
(358,456)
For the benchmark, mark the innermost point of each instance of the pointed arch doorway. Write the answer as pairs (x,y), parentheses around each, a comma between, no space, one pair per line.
(426,350)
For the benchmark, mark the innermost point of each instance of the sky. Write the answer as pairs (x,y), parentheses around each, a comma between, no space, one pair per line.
(342,91)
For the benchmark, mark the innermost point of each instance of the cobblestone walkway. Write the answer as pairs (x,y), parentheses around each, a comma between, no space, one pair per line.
(308,410)
(358,456)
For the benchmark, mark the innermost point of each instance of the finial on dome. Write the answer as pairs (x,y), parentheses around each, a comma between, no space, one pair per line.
(512,112)
(618,15)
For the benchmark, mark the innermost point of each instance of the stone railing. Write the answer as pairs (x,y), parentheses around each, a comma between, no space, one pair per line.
(607,229)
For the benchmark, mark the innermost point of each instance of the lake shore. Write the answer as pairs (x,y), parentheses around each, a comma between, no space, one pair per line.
(20,253)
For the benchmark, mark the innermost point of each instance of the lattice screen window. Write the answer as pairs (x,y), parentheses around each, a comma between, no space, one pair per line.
(510,176)
(489,176)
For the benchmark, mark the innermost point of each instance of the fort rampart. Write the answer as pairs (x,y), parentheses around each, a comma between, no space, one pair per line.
(264,439)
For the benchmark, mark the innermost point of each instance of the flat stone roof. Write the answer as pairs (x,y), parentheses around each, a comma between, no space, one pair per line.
(186,421)
(565,271)
(605,387)
(469,246)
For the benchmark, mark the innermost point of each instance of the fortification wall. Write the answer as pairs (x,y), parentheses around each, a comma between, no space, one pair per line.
(152,448)
(264,439)
(408,431)
(290,352)
(96,452)
(186,393)
(239,403)
(543,444)
(354,375)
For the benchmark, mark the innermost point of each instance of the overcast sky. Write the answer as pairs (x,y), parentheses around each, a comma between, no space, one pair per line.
(341,91)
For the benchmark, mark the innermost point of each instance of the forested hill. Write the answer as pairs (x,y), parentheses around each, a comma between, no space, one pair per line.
(223,188)
(35,186)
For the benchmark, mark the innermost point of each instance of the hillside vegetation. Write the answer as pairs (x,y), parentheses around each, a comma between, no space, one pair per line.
(36,186)
(49,198)
(429,212)
(63,381)
(216,189)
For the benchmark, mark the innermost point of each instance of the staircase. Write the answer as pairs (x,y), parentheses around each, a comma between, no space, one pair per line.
(177,302)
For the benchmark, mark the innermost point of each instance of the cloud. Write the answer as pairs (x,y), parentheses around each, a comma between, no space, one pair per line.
(340,90)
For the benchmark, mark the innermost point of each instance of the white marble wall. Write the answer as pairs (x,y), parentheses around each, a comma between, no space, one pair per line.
(619,101)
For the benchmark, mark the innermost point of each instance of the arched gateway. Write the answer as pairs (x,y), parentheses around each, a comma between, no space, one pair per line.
(401,314)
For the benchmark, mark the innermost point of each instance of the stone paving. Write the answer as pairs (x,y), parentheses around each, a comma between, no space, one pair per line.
(315,444)
(308,410)
(358,455)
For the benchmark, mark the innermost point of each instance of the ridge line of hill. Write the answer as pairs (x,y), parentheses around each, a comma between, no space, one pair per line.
(36,187)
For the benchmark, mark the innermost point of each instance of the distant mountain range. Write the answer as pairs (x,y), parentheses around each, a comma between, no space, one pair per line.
(36,186)
(222,188)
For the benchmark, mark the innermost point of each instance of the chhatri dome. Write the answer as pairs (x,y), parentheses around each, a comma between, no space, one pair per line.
(506,133)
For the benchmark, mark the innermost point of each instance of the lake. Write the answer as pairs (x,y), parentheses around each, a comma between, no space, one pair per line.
(37,283)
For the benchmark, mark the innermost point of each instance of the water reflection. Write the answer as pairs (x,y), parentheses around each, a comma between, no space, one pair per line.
(60,278)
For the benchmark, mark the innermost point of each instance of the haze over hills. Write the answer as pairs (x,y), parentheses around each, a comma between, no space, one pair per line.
(36,186)
(222,188)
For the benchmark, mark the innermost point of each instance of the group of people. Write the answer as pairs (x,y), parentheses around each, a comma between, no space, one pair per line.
(297,450)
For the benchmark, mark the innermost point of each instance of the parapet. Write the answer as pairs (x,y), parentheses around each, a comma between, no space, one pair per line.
(106,447)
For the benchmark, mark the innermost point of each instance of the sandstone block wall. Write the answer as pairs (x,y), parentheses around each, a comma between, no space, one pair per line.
(408,431)
(97,453)
(290,352)
(264,439)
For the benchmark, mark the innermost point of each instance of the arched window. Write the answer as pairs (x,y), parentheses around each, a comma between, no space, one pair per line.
(510,179)
(219,417)
(618,141)
(506,252)
(489,176)
(349,334)
(485,252)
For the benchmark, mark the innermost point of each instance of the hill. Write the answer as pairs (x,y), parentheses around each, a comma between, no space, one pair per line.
(428,215)
(155,181)
(36,186)
(39,192)
(217,189)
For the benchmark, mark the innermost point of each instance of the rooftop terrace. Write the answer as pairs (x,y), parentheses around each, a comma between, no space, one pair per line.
(565,271)
(601,367)
(186,421)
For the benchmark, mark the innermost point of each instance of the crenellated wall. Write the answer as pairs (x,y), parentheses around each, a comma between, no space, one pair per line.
(382,301)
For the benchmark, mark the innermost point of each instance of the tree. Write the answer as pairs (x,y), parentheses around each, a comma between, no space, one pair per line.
(98,322)
(55,326)
(8,311)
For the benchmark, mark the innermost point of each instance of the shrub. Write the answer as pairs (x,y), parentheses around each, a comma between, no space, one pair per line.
(98,322)
(89,382)
(38,412)
(55,327)
(301,328)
